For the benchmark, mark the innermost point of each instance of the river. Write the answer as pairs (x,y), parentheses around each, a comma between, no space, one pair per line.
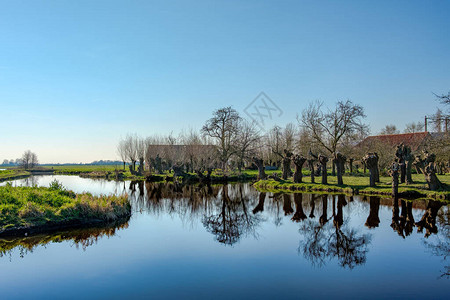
(231,241)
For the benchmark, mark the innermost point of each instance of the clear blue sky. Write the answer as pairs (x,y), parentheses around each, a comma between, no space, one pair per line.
(75,76)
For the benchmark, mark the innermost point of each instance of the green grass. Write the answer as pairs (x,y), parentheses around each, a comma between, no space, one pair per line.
(10,174)
(32,207)
(94,171)
(359,184)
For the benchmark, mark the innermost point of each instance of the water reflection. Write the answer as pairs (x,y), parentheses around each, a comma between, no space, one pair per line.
(230,220)
(323,241)
(328,228)
(81,238)
(440,247)
(373,220)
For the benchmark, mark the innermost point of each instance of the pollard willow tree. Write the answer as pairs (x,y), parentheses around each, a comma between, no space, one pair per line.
(328,128)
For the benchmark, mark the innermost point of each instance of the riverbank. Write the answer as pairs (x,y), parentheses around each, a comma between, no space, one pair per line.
(11,174)
(29,210)
(359,185)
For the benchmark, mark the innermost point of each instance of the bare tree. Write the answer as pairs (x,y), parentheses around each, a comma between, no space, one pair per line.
(275,145)
(131,150)
(289,133)
(34,160)
(437,120)
(223,128)
(140,152)
(389,129)
(444,99)
(29,160)
(247,142)
(121,150)
(192,145)
(414,127)
(329,128)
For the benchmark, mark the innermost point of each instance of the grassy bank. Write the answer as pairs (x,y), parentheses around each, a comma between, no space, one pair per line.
(34,209)
(359,185)
(11,174)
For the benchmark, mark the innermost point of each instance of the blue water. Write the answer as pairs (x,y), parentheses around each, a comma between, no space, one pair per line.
(232,242)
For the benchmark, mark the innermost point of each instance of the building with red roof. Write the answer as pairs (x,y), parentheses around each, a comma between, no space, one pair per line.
(415,140)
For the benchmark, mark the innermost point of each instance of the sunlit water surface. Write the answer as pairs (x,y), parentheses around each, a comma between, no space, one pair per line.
(234,242)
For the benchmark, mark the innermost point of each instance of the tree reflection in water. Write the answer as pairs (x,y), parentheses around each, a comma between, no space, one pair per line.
(231,212)
(322,241)
(299,215)
(373,220)
(232,221)
(260,207)
(437,221)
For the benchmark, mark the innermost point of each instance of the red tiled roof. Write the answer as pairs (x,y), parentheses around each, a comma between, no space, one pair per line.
(414,140)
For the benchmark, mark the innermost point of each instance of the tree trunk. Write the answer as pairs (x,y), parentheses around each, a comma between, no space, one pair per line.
(286,164)
(333,167)
(394,174)
(311,168)
(430,176)
(323,162)
(371,161)
(408,164)
(141,166)
(260,164)
(402,172)
(340,160)
(298,162)
(377,169)
(351,164)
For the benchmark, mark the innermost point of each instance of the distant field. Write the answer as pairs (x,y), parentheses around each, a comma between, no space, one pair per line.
(84,168)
